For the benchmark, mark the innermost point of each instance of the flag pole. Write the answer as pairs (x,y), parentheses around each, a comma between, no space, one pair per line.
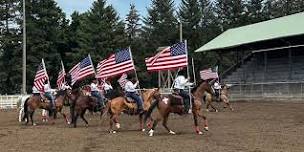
(43,64)
(62,66)
(193,70)
(92,64)
(135,70)
(188,74)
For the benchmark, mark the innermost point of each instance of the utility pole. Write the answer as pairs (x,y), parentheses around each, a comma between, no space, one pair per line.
(180,31)
(24,53)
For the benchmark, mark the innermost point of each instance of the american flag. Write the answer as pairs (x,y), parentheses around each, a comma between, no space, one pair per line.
(169,58)
(123,80)
(116,64)
(61,77)
(40,77)
(82,69)
(208,74)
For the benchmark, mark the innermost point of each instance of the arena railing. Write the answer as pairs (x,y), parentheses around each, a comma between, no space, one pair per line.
(9,101)
(267,90)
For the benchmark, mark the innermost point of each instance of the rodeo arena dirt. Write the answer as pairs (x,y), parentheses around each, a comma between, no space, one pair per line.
(260,107)
(252,126)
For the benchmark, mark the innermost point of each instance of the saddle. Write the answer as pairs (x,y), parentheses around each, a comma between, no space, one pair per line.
(176,100)
(129,99)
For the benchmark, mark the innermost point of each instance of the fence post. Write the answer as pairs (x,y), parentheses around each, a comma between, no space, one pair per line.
(301,90)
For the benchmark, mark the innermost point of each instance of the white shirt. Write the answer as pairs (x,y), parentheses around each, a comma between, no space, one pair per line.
(107,86)
(47,88)
(94,87)
(65,87)
(130,87)
(217,85)
(181,82)
(35,90)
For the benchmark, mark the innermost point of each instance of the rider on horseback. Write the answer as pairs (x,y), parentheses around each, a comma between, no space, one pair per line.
(130,89)
(95,92)
(180,83)
(108,89)
(35,91)
(217,88)
(48,94)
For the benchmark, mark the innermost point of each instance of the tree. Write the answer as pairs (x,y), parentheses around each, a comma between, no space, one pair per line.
(98,32)
(230,13)
(132,23)
(160,26)
(255,11)
(10,47)
(45,27)
(190,15)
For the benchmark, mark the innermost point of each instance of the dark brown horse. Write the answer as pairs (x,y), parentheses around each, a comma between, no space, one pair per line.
(119,105)
(36,102)
(82,104)
(173,104)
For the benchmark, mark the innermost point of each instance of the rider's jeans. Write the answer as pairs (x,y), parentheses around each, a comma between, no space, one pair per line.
(137,99)
(98,96)
(50,97)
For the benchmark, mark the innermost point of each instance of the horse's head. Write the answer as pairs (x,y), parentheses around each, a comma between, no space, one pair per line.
(201,88)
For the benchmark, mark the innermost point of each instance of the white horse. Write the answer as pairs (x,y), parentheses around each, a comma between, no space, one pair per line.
(22,100)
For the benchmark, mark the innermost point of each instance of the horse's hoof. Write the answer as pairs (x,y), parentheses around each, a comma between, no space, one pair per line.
(216,110)
(172,132)
(206,128)
(34,124)
(117,125)
(199,133)
(151,132)
(143,130)
(114,132)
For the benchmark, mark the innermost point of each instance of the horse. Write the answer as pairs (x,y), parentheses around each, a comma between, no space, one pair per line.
(36,101)
(209,98)
(81,105)
(173,104)
(22,100)
(118,105)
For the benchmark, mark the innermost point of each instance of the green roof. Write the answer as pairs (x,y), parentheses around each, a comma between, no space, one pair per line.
(286,26)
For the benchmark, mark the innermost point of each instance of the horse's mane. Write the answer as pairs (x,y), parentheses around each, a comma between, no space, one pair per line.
(198,84)
(60,93)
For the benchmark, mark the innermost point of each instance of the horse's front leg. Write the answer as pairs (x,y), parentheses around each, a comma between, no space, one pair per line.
(165,122)
(141,124)
(205,121)
(82,117)
(196,127)
(31,116)
(75,119)
(65,117)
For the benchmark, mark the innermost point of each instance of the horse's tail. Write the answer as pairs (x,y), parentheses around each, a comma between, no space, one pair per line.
(150,110)
(25,108)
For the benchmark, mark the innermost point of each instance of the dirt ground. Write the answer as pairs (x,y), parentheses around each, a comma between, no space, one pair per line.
(253,127)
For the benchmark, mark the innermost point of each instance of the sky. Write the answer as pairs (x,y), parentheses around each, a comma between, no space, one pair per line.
(122,6)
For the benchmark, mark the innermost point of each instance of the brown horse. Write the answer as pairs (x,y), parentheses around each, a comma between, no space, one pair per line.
(172,104)
(120,104)
(82,104)
(209,98)
(37,102)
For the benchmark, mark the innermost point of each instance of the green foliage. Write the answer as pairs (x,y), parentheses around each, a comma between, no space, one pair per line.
(10,48)
(100,32)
